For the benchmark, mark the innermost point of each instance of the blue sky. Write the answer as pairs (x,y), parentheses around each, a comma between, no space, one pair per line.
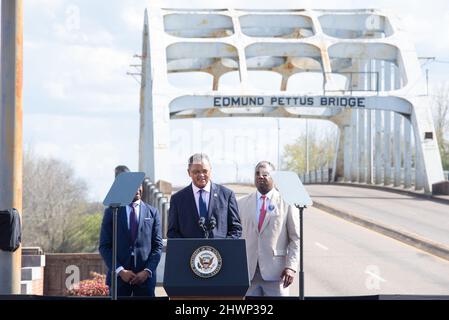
(82,108)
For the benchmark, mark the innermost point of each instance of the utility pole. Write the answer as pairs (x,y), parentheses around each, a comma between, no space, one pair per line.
(427,60)
(11,132)
(307,146)
(236,171)
(279,143)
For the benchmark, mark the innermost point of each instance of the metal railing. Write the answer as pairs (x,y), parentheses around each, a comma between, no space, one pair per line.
(322,175)
(153,196)
(325,175)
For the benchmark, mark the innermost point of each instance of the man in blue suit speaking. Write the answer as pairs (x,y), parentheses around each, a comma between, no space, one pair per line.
(139,247)
(204,201)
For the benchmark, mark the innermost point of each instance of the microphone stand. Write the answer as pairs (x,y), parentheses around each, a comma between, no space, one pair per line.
(301,265)
(114,254)
(212,224)
(202,223)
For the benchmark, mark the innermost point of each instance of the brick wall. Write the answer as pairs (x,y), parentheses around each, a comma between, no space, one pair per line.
(62,268)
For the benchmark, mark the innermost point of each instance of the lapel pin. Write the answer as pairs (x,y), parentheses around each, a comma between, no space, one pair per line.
(215,195)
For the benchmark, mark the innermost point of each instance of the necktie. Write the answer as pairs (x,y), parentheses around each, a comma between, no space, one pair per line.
(202,205)
(263,212)
(133,223)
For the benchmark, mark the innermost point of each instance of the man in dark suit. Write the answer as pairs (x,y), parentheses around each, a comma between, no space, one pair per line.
(120,169)
(139,247)
(206,201)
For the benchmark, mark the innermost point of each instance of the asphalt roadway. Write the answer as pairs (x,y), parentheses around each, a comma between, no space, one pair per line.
(423,217)
(345,259)
(342,258)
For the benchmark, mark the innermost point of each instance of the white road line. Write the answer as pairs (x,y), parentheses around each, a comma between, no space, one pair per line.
(319,245)
(372,274)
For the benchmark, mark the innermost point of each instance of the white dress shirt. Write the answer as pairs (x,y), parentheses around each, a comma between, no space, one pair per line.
(206,196)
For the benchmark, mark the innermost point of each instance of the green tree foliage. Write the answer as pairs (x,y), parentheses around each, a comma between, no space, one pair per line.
(83,235)
(321,151)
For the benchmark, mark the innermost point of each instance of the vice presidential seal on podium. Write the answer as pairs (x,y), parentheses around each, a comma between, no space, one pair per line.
(206,262)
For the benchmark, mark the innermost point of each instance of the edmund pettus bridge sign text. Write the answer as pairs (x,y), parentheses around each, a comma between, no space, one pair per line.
(277,101)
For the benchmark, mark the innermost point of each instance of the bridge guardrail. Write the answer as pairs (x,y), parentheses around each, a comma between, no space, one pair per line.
(157,199)
(164,213)
(324,175)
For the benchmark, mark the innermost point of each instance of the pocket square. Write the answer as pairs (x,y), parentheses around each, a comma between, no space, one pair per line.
(148,219)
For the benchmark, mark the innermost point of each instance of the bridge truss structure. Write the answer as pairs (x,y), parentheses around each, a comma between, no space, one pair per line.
(370,84)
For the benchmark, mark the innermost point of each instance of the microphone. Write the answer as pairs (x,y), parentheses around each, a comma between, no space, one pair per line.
(202,222)
(212,223)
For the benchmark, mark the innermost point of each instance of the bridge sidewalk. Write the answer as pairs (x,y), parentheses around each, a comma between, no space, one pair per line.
(409,217)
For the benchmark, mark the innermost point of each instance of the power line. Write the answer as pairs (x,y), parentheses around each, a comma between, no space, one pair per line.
(428,60)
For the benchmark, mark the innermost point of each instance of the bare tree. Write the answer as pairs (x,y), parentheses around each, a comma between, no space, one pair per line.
(440,108)
(53,200)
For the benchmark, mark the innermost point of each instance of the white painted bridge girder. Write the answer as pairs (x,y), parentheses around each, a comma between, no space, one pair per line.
(371,84)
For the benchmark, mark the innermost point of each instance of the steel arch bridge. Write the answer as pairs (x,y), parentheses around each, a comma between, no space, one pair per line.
(370,84)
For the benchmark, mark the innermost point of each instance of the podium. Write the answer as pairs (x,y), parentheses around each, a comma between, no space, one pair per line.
(213,269)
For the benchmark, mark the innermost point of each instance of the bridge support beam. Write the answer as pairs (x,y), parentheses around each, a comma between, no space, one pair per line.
(369,137)
(362,146)
(429,158)
(387,148)
(419,176)
(407,154)
(343,151)
(347,136)
(154,143)
(378,147)
(387,125)
(376,84)
(397,150)
(355,148)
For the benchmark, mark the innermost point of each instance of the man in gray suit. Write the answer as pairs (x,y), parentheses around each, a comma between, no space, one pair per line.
(271,230)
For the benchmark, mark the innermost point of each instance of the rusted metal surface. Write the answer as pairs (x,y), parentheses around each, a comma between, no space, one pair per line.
(11,131)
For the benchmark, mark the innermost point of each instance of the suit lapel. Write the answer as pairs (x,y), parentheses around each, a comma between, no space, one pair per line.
(212,200)
(195,212)
(142,216)
(252,207)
